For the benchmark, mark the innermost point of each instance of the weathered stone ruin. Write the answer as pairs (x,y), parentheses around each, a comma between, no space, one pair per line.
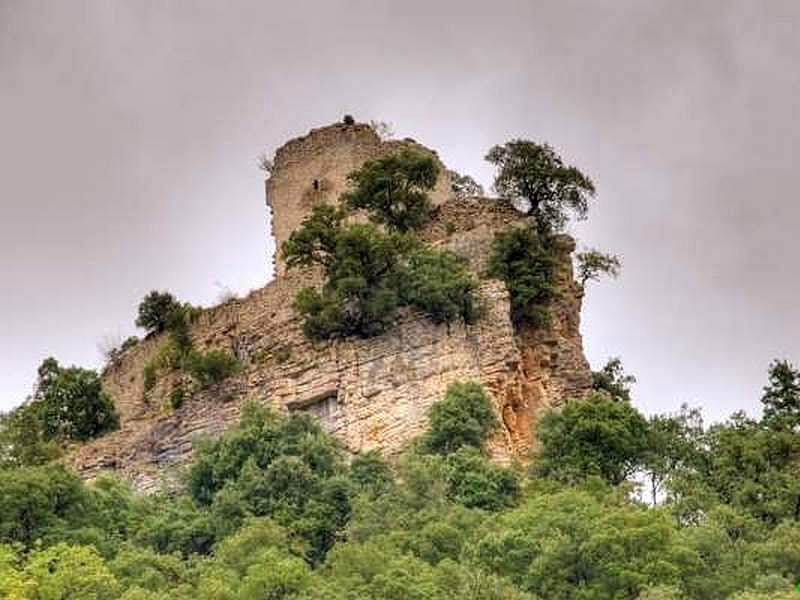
(370,393)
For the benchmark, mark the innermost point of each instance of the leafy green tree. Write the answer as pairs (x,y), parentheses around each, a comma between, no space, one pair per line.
(439,284)
(781,397)
(259,561)
(464,418)
(63,572)
(314,242)
(74,406)
(571,544)
(23,441)
(464,186)
(475,482)
(148,570)
(526,262)
(536,174)
(67,404)
(361,264)
(39,503)
(370,473)
(173,525)
(13,584)
(594,436)
(592,264)
(613,380)
(286,468)
(754,468)
(394,189)
(674,449)
(156,311)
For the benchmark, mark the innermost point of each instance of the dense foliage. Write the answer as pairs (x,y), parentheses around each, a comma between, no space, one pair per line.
(272,509)
(537,176)
(68,404)
(525,260)
(370,274)
(156,310)
(178,353)
(394,189)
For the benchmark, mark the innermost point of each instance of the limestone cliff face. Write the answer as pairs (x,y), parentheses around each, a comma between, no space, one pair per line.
(370,393)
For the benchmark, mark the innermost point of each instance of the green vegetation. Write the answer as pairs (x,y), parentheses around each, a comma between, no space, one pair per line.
(438,283)
(177,352)
(362,267)
(156,310)
(525,261)
(370,274)
(177,397)
(272,509)
(535,175)
(612,380)
(781,397)
(211,367)
(463,419)
(593,264)
(68,404)
(394,189)
(595,436)
(464,186)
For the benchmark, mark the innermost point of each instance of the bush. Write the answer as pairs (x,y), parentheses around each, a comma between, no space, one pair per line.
(526,262)
(177,397)
(464,418)
(150,374)
(211,367)
(394,189)
(156,310)
(370,274)
(439,284)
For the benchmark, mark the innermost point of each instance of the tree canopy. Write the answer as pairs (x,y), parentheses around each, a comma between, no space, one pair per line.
(394,189)
(535,175)
(273,509)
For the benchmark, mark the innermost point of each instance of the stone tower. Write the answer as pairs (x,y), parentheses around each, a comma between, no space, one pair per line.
(313,169)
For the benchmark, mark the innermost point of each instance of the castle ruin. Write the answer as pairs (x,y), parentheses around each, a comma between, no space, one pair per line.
(369,393)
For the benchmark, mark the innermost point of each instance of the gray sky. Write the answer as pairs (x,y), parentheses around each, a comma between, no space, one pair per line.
(129,131)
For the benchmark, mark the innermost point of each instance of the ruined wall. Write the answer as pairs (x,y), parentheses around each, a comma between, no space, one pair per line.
(370,393)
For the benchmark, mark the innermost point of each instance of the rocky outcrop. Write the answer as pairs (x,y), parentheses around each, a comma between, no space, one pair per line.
(369,393)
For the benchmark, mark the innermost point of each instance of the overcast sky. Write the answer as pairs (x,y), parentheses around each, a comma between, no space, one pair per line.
(129,132)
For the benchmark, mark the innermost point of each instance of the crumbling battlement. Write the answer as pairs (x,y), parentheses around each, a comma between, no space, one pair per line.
(369,393)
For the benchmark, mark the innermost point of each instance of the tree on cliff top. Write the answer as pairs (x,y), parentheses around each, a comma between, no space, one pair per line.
(534,174)
(156,310)
(394,189)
